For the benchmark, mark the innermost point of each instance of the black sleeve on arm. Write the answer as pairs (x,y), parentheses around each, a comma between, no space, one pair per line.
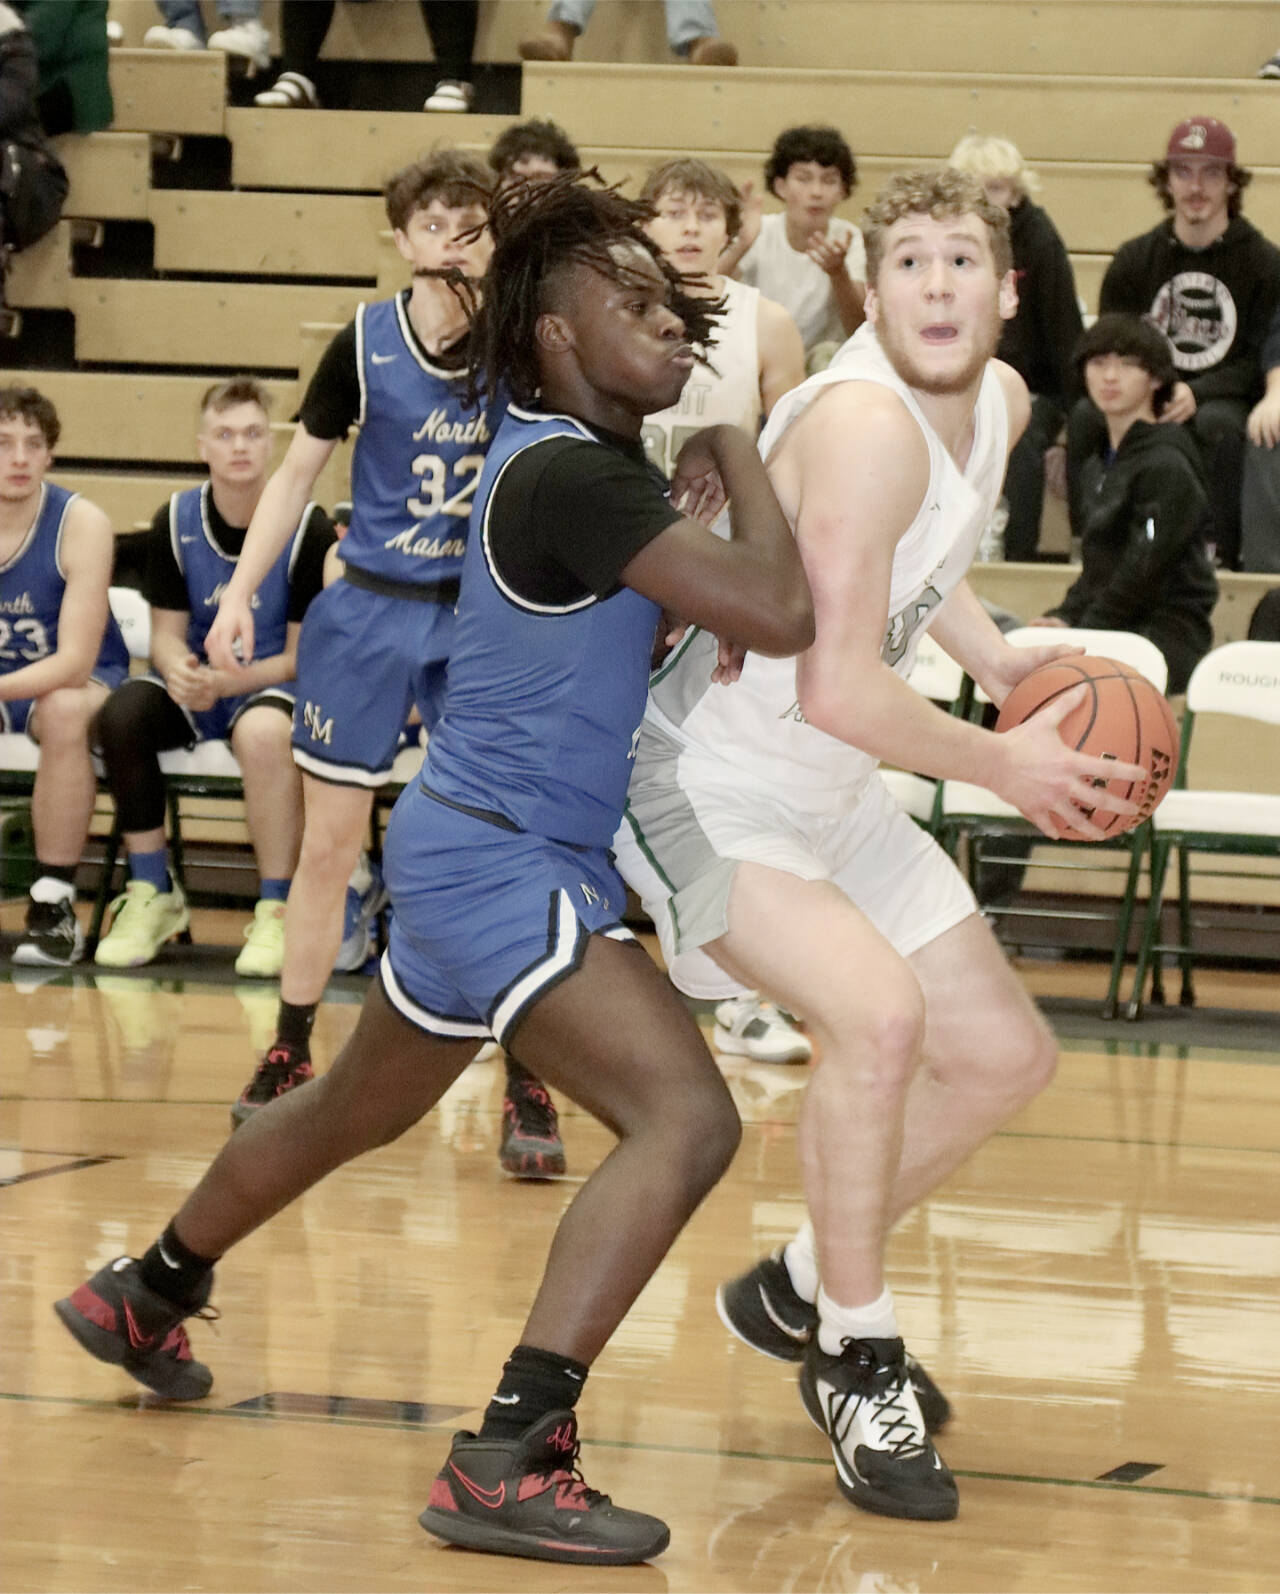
(1122,286)
(570,515)
(163,583)
(1163,513)
(331,405)
(308,568)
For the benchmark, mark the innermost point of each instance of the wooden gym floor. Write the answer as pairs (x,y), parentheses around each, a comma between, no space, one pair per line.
(1098,1292)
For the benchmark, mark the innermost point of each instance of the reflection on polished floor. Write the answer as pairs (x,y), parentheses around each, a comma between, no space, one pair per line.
(1098,1292)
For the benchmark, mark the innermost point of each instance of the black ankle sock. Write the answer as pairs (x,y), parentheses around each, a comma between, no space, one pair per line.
(518,1075)
(293,1026)
(174,1270)
(534,1382)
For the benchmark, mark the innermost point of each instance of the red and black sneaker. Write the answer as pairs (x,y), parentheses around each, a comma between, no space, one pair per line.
(119,1320)
(279,1071)
(526,1497)
(531,1146)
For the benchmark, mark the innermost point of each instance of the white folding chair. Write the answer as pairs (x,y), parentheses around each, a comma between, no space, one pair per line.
(1239,680)
(976,816)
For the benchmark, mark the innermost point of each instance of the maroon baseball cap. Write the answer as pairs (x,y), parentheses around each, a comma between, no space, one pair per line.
(1202,135)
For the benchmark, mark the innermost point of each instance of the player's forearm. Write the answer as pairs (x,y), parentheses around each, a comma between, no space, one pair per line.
(274,521)
(167,653)
(262,673)
(849,296)
(964,629)
(67,667)
(885,717)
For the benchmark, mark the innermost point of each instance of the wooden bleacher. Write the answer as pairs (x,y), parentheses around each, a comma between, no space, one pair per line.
(1087,88)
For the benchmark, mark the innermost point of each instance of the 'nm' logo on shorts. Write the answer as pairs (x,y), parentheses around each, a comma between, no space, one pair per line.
(317,727)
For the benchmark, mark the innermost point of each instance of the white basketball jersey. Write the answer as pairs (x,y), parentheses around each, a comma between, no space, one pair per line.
(727,391)
(756,725)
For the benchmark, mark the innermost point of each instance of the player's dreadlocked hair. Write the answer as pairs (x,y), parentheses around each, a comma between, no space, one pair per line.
(540,230)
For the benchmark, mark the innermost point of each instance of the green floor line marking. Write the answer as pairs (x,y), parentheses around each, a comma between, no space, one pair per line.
(241,1415)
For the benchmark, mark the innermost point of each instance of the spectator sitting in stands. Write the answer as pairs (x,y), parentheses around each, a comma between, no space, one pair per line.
(242,34)
(692,33)
(33,184)
(1209,280)
(1260,496)
(451,25)
(195,542)
(1143,506)
(813,264)
(1040,340)
(60,654)
(70,36)
(533,150)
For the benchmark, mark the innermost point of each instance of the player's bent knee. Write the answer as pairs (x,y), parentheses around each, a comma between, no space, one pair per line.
(713,1136)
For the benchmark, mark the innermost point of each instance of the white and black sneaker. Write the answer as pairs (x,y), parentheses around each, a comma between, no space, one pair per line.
(863,1401)
(53,937)
(748,1026)
(1271,67)
(763,1310)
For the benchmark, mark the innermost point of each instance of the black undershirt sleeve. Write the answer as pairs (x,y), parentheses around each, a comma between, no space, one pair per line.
(162,584)
(308,568)
(569,515)
(331,405)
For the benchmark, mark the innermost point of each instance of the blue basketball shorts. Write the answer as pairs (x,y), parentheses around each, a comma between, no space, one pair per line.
(15,714)
(486,920)
(364,659)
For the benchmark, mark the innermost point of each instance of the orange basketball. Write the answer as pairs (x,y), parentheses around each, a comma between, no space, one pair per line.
(1123,716)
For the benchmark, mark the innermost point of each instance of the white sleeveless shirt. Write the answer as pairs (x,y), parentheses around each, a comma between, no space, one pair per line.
(728,393)
(755,726)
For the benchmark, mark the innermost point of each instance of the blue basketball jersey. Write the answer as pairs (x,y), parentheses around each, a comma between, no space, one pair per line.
(32,585)
(543,703)
(418,457)
(206,569)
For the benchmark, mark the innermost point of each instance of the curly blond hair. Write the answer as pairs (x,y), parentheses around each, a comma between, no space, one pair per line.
(938,192)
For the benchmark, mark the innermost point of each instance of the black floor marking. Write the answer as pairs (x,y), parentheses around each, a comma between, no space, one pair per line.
(404,1413)
(1130,1472)
(61,1167)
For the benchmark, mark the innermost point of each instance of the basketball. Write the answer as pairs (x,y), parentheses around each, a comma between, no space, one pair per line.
(1123,716)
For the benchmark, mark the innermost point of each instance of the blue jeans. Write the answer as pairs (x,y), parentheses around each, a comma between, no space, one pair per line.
(687,20)
(186,13)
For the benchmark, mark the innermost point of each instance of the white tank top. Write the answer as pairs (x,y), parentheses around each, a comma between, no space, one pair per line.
(756,725)
(728,393)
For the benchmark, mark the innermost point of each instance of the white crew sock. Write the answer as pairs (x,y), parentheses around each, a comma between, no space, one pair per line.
(876,1320)
(800,1258)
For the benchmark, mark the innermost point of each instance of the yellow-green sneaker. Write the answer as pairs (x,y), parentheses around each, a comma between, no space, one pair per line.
(144,920)
(262,956)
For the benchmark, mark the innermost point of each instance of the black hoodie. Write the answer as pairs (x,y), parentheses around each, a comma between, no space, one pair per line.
(1215,304)
(1145,565)
(1040,340)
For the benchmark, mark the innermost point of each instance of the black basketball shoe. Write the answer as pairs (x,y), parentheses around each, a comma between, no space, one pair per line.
(762,1308)
(279,1071)
(119,1320)
(531,1147)
(53,937)
(863,1401)
(526,1497)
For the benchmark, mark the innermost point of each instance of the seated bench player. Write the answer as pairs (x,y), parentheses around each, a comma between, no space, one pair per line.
(60,654)
(195,544)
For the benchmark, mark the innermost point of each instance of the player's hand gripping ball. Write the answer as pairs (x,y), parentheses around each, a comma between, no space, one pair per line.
(1123,716)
